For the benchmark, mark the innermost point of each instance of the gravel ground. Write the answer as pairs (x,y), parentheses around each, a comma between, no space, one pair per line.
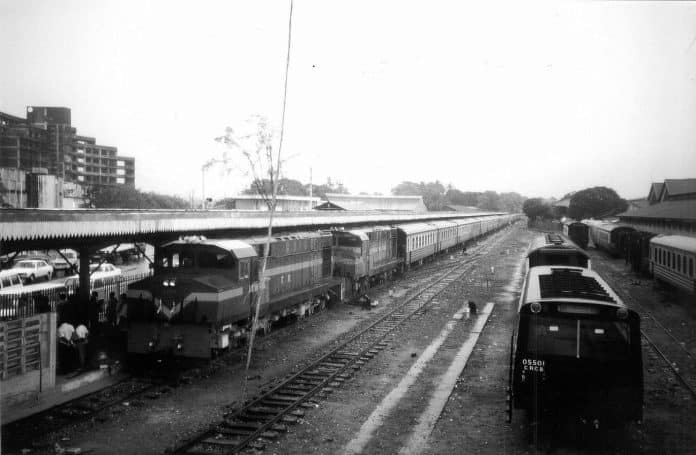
(473,418)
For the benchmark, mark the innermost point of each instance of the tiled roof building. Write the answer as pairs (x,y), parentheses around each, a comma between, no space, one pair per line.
(671,209)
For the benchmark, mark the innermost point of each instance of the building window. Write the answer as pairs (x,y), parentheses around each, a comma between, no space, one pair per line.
(120,180)
(120,163)
(80,178)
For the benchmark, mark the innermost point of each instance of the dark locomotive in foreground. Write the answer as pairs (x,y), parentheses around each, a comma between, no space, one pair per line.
(201,294)
(576,352)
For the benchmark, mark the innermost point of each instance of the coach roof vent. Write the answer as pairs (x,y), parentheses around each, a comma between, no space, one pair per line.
(571,284)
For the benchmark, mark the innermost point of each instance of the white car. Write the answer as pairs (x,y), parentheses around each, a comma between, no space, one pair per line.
(33,269)
(10,282)
(104,270)
(97,275)
(60,264)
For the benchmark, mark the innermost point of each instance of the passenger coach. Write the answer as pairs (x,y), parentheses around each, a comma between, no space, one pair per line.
(578,232)
(576,352)
(672,259)
(610,237)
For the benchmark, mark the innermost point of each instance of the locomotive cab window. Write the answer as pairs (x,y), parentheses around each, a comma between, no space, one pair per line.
(579,338)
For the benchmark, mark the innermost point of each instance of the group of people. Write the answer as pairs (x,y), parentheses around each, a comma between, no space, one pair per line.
(96,318)
(72,346)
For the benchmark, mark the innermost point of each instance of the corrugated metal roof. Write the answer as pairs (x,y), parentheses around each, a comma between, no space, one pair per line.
(676,187)
(676,241)
(668,210)
(368,202)
(33,224)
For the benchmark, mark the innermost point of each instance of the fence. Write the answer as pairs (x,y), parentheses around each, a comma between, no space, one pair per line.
(26,304)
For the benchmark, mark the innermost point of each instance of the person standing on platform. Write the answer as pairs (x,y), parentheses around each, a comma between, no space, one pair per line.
(66,357)
(93,313)
(111,308)
(82,338)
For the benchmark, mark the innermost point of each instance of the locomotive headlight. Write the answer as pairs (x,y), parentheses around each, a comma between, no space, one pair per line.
(165,283)
(622,313)
(179,346)
(172,283)
(535,307)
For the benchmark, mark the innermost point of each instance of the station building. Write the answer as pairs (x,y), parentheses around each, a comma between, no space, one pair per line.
(670,209)
(339,201)
(45,163)
(284,203)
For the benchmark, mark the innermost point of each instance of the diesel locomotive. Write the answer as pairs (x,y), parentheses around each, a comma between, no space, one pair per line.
(200,297)
(575,352)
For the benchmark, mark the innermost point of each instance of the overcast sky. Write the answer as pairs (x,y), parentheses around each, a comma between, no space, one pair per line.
(538,98)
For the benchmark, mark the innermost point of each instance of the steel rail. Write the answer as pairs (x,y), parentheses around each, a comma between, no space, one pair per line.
(207,437)
(671,366)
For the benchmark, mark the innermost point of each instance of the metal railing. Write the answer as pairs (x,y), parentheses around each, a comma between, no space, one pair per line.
(23,304)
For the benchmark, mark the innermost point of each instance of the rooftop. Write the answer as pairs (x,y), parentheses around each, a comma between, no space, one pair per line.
(684,210)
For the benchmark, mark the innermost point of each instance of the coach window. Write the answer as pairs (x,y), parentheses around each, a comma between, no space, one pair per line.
(684,264)
(691,267)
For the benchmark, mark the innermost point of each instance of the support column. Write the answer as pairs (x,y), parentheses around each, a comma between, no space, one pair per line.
(84,274)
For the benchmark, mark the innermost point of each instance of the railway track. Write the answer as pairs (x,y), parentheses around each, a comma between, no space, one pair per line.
(77,410)
(659,338)
(132,389)
(267,416)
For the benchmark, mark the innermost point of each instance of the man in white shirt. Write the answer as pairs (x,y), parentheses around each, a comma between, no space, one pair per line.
(66,355)
(66,332)
(81,335)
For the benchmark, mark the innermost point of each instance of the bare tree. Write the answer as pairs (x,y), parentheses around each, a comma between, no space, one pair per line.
(257,148)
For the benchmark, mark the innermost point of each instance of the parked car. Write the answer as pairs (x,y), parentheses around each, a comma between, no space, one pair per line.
(61,265)
(33,269)
(10,282)
(104,278)
(104,270)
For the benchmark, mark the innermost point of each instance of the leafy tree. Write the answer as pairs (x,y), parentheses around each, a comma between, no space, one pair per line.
(489,200)
(433,193)
(596,202)
(536,208)
(511,202)
(328,187)
(457,197)
(127,197)
(285,186)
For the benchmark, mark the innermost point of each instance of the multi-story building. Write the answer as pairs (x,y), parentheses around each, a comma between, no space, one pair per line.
(94,164)
(47,143)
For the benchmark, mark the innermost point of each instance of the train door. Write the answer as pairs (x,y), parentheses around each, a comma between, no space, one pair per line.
(326,258)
